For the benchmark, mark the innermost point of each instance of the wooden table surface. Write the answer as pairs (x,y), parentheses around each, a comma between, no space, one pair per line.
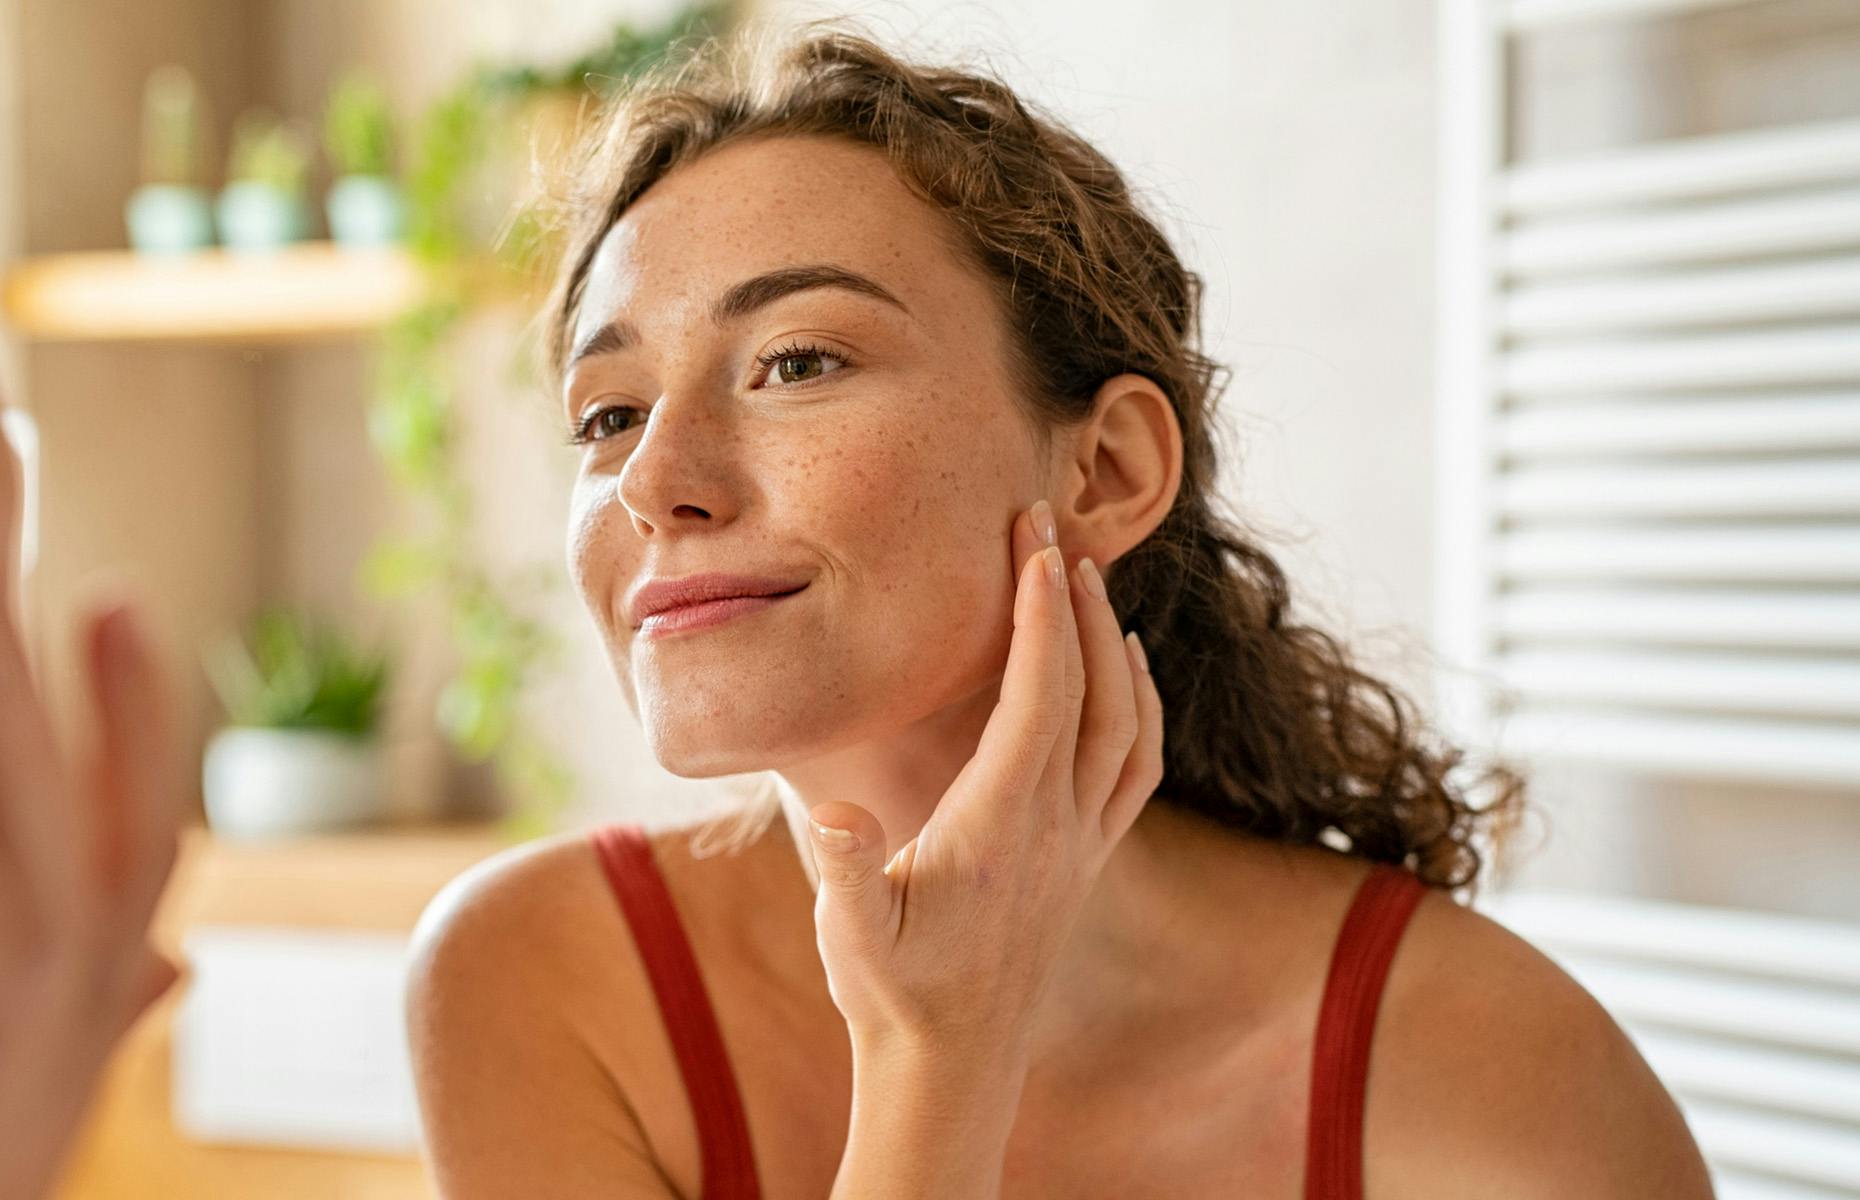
(378,880)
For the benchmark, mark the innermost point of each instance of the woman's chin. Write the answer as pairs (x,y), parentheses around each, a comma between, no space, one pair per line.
(700,759)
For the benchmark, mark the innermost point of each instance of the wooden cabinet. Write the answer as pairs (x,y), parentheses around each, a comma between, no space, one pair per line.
(375,881)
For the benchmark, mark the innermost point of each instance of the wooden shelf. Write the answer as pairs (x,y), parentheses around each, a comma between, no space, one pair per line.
(308,290)
(376,878)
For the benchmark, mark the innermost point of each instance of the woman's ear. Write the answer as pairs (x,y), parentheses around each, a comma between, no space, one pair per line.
(1126,467)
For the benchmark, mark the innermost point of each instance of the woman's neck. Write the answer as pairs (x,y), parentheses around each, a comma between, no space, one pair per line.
(1155,933)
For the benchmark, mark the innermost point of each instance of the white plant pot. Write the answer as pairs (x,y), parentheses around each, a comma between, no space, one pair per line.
(272,782)
(169,219)
(257,218)
(365,211)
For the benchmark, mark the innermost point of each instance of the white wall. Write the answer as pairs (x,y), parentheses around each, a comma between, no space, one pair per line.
(1289,151)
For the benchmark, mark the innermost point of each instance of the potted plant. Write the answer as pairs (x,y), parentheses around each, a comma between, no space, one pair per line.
(262,206)
(364,203)
(171,212)
(300,751)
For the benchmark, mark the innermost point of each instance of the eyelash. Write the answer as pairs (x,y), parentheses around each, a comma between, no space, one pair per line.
(579,435)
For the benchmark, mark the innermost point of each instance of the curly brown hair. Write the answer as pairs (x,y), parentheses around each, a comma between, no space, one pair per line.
(1269,727)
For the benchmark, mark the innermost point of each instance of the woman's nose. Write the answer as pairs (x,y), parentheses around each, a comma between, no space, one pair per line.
(677,473)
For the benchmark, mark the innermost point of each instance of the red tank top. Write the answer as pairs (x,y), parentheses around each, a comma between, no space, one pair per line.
(1339,1068)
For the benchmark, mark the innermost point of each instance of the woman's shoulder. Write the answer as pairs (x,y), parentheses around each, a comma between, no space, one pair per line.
(538,1048)
(531,933)
(544,916)
(546,910)
(1495,1071)
(524,1012)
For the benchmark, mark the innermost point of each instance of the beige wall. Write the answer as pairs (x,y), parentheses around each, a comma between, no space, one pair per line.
(147,453)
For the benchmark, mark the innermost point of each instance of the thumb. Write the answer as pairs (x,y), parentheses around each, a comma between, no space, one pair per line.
(849,852)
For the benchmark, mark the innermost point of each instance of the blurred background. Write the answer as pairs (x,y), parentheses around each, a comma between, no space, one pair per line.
(1544,325)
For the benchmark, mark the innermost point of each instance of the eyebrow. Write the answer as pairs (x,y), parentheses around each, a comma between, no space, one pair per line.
(743,298)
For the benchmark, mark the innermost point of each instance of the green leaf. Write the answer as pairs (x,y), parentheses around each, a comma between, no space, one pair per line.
(396,568)
(291,672)
(171,123)
(268,150)
(358,128)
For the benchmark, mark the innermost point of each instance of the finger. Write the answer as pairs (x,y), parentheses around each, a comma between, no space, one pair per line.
(1108,718)
(1019,742)
(1065,747)
(37,846)
(1143,768)
(135,790)
(853,908)
(1026,538)
(12,522)
(39,834)
(11,501)
(43,838)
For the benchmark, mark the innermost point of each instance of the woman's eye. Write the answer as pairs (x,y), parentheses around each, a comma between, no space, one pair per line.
(790,364)
(798,364)
(598,427)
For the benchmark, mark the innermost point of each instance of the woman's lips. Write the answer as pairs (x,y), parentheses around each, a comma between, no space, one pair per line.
(708,613)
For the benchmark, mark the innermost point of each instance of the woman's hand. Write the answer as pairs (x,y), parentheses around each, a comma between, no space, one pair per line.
(954,940)
(82,863)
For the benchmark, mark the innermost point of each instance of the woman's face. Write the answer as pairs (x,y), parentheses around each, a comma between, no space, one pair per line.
(875,454)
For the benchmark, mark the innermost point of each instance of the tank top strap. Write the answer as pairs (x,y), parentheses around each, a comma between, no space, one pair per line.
(1359,965)
(626,857)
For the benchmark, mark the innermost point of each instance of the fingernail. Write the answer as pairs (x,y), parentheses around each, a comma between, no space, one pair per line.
(1136,651)
(1055,566)
(1094,582)
(839,841)
(1043,523)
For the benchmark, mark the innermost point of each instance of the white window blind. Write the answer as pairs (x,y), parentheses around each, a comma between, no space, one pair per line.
(1649,549)
(1751,1020)
(1649,427)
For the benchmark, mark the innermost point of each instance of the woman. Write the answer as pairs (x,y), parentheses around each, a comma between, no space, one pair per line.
(862,340)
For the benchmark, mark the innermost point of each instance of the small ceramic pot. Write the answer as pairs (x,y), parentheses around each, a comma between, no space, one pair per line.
(257,217)
(365,210)
(165,218)
(263,783)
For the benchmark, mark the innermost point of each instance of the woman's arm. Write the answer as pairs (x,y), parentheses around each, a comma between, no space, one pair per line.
(928,1123)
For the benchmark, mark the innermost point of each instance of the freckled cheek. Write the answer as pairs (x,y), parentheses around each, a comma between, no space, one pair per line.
(595,555)
(916,522)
